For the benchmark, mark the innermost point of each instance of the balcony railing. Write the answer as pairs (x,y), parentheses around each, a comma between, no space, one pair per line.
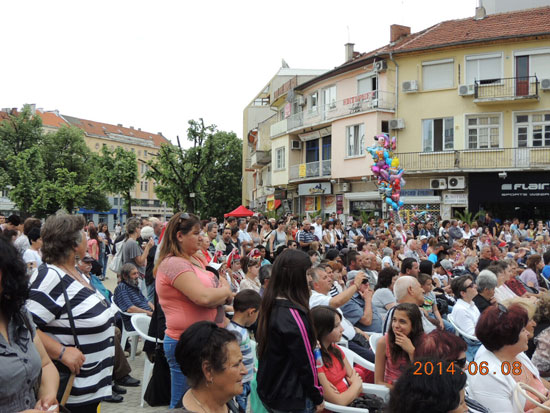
(511,88)
(476,159)
(310,170)
(377,99)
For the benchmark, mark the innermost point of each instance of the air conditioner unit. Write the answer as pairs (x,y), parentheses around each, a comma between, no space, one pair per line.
(301,100)
(345,187)
(545,84)
(380,66)
(438,183)
(466,90)
(409,86)
(295,145)
(397,123)
(456,182)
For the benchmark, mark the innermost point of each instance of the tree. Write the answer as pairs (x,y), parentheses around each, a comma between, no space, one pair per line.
(27,175)
(119,173)
(210,169)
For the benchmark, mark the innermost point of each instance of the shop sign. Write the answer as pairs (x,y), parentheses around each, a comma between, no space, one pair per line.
(363,206)
(417,192)
(461,199)
(319,188)
(525,189)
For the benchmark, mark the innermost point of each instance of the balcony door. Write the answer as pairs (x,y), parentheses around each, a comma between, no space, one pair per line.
(522,75)
(312,158)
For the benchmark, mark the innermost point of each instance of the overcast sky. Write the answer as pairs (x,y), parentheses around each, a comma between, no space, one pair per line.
(157,64)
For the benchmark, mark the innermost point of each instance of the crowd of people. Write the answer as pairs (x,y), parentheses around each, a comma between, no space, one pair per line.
(253,313)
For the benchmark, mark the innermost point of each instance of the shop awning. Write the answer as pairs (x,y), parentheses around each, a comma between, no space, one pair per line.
(363,196)
(421,199)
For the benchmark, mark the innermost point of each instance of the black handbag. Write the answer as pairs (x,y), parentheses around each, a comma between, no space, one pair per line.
(63,370)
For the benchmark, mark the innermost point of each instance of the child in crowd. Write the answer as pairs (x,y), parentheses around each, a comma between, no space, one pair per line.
(245,306)
(341,383)
(395,350)
(430,302)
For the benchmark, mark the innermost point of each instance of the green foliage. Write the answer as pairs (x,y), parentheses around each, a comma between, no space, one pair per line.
(210,168)
(119,171)
(468,217)
(366,216)
(27,173)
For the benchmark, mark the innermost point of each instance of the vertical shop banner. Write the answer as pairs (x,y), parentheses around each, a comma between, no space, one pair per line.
(309,203)
(330,204)
(270,203)
(339,204)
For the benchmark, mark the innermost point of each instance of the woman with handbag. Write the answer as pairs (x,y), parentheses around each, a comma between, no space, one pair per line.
(62,302)
(22,355)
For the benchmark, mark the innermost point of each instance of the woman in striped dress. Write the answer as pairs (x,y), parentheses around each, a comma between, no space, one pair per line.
(63,242)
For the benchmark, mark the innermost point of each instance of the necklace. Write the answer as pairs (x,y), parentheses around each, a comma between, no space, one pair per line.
(200,404)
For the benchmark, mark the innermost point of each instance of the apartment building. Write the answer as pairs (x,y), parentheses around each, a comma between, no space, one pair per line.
(96,135)
(473,121)
(258,188)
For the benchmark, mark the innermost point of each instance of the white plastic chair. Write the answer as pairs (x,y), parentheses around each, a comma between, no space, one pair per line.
(132,335)
(141,322)
(459,331)
(373,340)
(376,389)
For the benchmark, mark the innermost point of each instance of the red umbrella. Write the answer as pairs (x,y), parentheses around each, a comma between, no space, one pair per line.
(239,212)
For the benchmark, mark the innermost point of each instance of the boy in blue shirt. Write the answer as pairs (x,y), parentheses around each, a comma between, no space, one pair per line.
(245,305)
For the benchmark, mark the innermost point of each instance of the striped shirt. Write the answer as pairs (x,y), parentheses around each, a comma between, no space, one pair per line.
(94,324)
(127,296)
(246,349)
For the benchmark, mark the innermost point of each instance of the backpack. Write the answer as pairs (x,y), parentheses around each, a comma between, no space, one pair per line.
(116,262)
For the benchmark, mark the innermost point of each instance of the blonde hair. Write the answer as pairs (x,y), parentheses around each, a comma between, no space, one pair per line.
(525,303)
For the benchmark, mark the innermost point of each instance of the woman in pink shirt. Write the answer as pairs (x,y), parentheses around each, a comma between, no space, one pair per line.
(187,291)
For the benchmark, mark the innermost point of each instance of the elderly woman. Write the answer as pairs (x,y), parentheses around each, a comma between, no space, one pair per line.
(187,291)
(58,283)
(470,266)
(22,354)
(486,284)
(540,347)
(504,336)
(211,359)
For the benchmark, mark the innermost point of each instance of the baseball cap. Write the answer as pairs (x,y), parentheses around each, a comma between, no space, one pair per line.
(422,237)
(447,265)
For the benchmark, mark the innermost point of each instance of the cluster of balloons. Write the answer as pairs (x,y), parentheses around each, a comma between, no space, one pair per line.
(387,171)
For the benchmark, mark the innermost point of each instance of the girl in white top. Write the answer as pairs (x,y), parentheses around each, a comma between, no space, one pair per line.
(329,235)
(33,256)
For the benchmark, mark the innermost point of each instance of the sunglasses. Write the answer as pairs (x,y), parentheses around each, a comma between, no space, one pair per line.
(472,285)
(461,363)
(184,216)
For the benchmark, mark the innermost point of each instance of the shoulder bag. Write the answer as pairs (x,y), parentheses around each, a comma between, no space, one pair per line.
(66,377)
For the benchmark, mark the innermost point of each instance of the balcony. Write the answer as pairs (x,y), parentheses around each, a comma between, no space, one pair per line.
(509,89)
(325,114)
(306,171)
(476,160)
(259,159)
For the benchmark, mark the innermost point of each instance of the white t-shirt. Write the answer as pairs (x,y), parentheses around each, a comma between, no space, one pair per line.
(318,299)
(318,231)
(31,255)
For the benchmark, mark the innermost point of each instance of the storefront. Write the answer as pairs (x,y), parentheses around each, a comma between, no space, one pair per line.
(315,197)
(525,195)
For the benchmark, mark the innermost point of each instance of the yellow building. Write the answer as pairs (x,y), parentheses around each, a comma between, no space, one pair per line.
(473,114)
(144,144)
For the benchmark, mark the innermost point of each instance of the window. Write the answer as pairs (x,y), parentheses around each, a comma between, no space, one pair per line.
(327,145)
(312,151)
(483,131)
(533,129)
(486,69)
(139,153)
(261,102)
(132,149)
(146,186)
(329,97)
(538,62)
(437,74)
(355,139)
(313,102)
(366,84)
(385,126)
(280,158)
(145,153)
(437,135)
(97,145)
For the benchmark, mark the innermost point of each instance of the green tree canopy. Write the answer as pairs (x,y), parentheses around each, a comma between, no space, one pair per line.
(210,169)
(119,173)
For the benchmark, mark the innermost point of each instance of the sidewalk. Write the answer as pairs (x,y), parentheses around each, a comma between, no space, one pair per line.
(132,398)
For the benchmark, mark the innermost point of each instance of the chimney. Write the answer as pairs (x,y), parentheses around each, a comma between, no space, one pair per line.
(139,129)
(397,32)
(349,51)
(131,127)
(480,13)
(119,125)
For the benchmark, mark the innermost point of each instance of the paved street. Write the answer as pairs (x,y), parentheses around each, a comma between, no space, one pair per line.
(132,400)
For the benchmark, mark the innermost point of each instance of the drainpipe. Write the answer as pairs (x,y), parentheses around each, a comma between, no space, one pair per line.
(396,83)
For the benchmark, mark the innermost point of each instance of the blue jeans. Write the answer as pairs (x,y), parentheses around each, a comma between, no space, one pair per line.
(242,398)
(178,381)
(310,408)
(150,293)
(103,260)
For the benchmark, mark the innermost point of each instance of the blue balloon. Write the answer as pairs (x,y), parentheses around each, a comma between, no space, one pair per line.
(389,201)
(394,205)
(401,203)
